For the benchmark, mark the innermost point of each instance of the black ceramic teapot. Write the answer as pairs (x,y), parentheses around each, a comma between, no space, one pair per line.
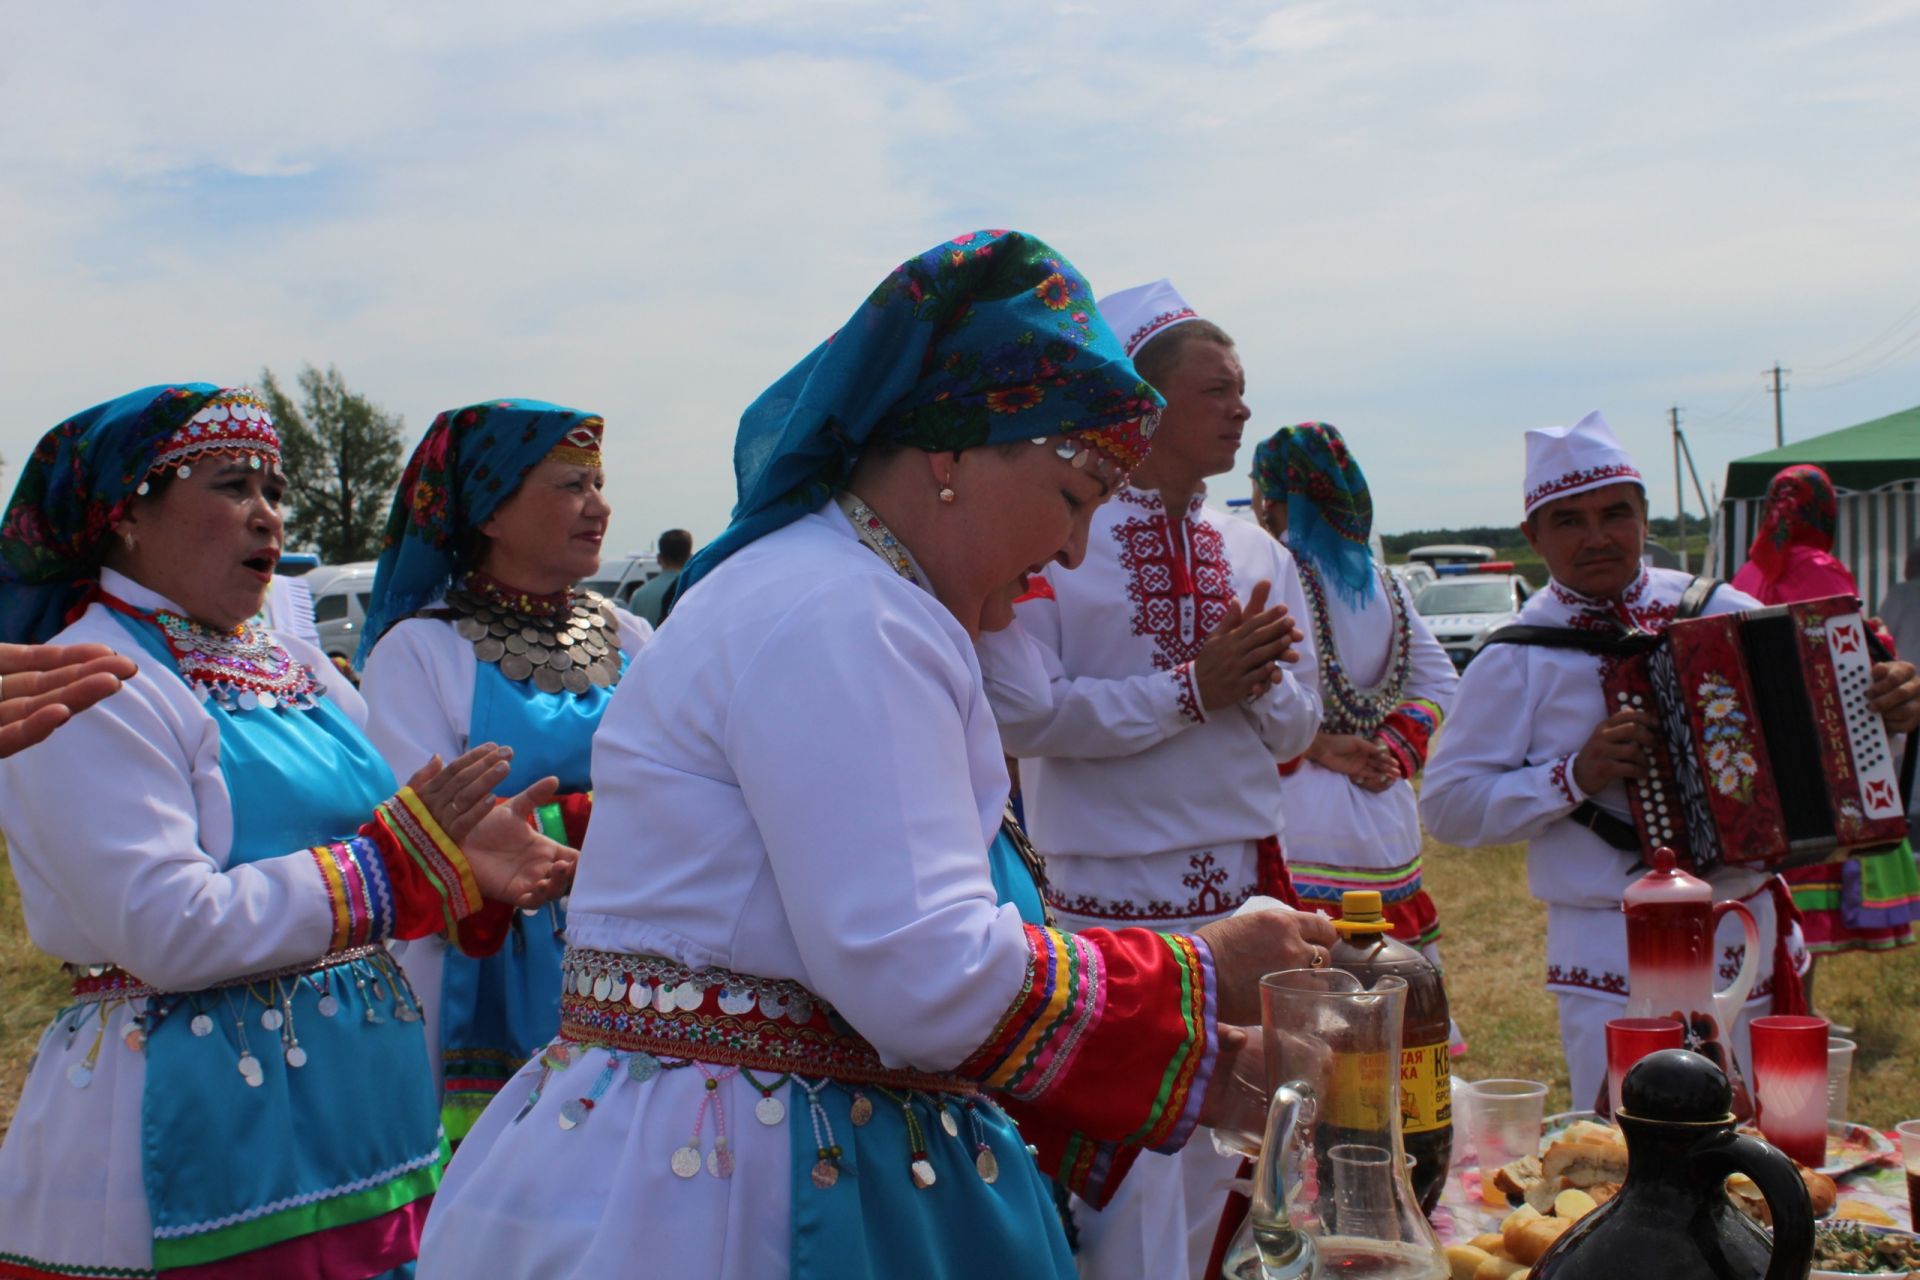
(1672,1219)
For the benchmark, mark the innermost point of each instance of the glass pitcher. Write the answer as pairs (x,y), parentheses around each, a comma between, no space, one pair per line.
(1331,1192)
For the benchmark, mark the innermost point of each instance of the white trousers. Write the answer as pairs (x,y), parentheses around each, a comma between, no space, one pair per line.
(1161,1224)
(1583,1039)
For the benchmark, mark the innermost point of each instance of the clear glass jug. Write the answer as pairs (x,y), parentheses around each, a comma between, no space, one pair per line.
(1331,1191)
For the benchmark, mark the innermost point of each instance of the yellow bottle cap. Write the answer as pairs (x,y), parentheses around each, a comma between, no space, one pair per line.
(1360,912)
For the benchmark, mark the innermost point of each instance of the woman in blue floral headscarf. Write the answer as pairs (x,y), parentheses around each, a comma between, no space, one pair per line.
(477,630)
(805,969)
(1385,680)
(239,1086)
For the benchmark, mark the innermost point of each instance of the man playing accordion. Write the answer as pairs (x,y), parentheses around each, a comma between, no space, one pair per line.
(1532,753)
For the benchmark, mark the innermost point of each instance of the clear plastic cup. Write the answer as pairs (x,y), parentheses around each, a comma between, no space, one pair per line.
(1839,1076)
(1503,1120)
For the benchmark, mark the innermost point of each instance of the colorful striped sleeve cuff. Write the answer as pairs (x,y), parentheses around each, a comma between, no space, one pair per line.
(427,851)
(1112,1035)
(1408,732)
(359,889)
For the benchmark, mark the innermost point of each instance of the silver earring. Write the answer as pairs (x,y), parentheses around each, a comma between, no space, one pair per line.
(946,495)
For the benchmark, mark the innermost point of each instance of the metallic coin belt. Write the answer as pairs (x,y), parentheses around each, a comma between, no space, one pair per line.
(93,983)
(651,1005)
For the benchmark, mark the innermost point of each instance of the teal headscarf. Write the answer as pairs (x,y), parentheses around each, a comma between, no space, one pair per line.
(1329,509)
(990,337)
(75,485)
(469,462)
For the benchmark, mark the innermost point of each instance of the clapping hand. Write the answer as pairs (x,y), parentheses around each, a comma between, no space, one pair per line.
(1239,657)
(511,861)
(42,686)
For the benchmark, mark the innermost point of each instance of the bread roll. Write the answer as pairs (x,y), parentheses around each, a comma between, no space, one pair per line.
(1581,1164)
(1536,1237)
(1463,1260)
(1498,1268)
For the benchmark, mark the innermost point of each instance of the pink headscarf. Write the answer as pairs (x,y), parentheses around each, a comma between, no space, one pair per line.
(1790,558)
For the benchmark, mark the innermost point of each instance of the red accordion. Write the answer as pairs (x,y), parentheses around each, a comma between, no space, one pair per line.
(1768,755)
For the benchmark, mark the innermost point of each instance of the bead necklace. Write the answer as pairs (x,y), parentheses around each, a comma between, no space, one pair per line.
(496,594)
(1352,708)
(878,538)
(241,669)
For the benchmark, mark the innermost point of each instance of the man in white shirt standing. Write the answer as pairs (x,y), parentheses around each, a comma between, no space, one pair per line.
(1532,753)
(1149,695)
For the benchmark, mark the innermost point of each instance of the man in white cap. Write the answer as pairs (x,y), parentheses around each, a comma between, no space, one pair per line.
(1149,695)
(1531,752)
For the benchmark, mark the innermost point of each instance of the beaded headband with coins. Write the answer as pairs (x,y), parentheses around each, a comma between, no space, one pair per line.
(564,642)
(234,422)
(580,447)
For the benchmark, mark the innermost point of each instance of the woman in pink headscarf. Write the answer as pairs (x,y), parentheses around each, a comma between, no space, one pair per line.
(1861,904)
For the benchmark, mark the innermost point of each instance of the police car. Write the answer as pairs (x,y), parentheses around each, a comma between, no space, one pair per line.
(1467,601)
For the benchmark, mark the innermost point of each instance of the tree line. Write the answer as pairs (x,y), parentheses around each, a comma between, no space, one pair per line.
(341,453)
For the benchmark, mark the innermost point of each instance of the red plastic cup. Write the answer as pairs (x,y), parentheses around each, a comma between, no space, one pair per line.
(1790,1085)
(1631,1039)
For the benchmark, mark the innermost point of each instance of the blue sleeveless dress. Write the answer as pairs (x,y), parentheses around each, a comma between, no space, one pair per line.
(341,1128)
(500,1010)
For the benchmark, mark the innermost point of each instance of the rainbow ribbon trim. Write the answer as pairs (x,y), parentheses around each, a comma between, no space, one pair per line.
(360,890)
(434,852)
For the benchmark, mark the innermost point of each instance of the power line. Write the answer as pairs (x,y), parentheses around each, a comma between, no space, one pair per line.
(1891,357)
(1911,313)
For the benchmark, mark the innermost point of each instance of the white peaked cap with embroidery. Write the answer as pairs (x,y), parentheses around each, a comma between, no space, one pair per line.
(1563,461)
(1138,314)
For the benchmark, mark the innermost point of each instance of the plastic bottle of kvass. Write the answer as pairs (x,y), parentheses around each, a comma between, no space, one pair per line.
(1426,1097)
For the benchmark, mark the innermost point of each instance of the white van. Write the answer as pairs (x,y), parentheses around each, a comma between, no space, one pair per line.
(341,594)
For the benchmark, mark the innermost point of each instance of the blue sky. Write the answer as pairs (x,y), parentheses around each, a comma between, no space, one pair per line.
(1433,225)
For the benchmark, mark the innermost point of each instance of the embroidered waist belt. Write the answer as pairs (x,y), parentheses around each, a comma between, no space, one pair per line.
(96,982)
(647,1004)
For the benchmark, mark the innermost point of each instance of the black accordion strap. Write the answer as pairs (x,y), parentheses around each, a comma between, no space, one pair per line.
(1621,643)
(1695,597)
(1617,832)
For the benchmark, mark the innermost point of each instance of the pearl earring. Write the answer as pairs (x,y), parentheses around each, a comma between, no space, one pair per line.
(946,495)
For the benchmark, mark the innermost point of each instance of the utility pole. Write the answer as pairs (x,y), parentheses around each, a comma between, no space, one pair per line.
(1779,432)
(1679,491)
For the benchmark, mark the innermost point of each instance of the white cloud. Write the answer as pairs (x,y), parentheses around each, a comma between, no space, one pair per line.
(1434,227)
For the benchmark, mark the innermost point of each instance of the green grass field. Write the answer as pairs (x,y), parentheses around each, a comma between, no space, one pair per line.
(1495,954)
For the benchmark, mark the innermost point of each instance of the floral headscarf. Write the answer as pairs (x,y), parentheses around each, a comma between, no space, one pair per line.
(1329,509)
(990,337)
(82,474)
(469,462)
(1801,512)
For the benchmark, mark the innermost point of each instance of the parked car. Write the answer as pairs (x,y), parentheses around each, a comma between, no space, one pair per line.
(1461,608)
(1415,576)
(621,576)
(341,594)
(1441,553)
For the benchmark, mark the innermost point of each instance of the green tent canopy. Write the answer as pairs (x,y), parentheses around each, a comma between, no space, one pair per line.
(1858,458)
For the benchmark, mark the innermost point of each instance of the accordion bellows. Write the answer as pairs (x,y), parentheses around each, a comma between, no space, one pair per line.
(1768,755)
